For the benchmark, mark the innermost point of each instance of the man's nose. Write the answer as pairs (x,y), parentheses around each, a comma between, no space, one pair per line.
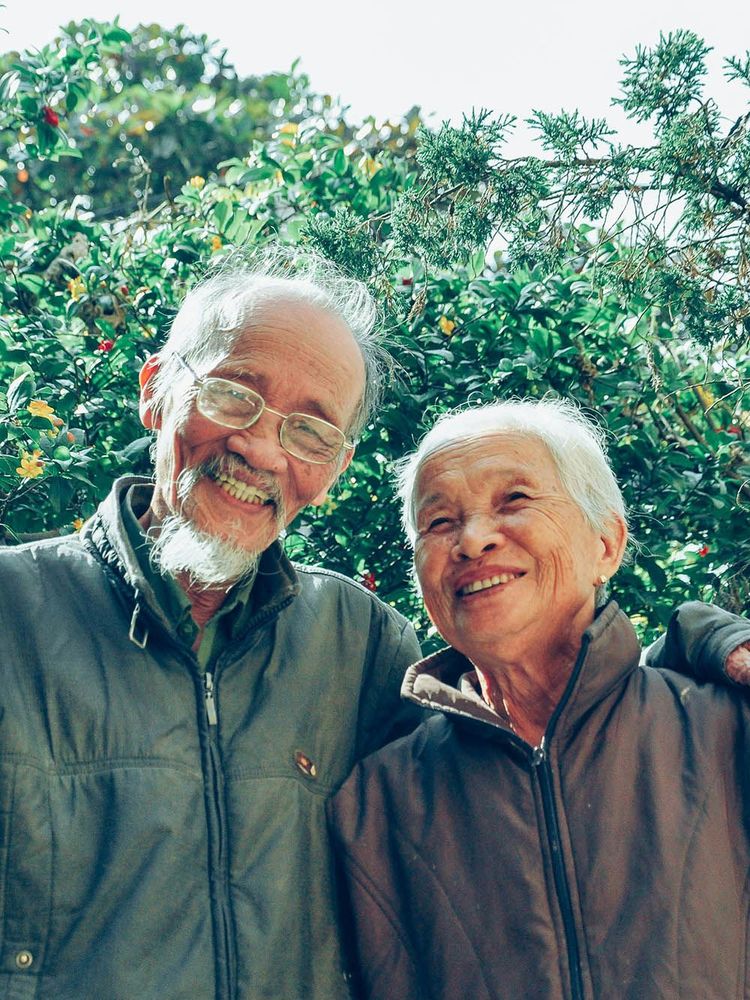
(259,444)
(479,534)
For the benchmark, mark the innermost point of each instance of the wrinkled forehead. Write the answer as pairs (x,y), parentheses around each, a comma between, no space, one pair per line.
(284,314)
(492,453)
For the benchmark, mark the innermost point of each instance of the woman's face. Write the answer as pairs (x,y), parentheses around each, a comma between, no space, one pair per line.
(506,560)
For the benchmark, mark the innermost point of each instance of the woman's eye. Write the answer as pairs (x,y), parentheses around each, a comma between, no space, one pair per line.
(438,522)
(516,495)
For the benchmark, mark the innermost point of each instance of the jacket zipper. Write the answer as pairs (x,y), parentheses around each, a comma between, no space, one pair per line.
(540,762)
(213,774)
(208,692)
(218,833)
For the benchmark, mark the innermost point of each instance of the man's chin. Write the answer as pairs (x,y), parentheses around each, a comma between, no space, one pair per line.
(181,549)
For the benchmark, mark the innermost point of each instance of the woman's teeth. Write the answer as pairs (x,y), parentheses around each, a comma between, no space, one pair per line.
(241,491)
(490,581)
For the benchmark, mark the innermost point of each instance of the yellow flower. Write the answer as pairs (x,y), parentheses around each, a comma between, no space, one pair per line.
(446,325)
(76,287)
(278,177)
(197,182)
(216,243)
(78,523)
(706,396)
(371,166)
(38,408)
(30,466)
(289,128)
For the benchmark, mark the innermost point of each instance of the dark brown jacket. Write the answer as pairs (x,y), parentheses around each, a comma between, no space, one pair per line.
(610,862)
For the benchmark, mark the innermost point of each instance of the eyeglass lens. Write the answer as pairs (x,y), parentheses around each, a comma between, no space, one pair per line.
(306,437)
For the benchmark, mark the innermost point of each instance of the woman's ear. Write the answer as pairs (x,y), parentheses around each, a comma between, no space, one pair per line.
(150,419)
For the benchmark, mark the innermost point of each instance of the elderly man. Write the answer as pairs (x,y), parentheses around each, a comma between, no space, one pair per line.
(568,825)
(177,699)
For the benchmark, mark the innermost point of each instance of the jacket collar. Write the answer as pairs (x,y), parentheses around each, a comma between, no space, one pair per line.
(609,653)
(276,583)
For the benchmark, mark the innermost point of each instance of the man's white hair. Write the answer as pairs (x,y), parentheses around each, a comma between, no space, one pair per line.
(225,303)
(576,444)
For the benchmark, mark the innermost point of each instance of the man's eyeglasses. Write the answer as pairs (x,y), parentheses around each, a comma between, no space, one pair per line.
(233,405)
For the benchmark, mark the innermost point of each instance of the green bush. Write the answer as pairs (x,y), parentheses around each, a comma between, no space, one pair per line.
(497,277)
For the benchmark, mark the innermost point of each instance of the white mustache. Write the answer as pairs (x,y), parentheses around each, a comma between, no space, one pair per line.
(231,465)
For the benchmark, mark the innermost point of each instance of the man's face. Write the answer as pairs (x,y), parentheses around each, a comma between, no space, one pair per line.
(242,486)
(506,560)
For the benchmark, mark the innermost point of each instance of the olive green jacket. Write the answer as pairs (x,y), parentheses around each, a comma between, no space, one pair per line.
(162,830)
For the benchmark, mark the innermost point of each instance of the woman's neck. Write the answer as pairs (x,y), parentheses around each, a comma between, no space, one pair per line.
(526,693)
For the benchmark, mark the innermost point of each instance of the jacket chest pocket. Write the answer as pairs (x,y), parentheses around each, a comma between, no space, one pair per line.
(25,877)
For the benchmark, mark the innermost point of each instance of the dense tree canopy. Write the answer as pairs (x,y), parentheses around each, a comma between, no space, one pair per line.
(617,276)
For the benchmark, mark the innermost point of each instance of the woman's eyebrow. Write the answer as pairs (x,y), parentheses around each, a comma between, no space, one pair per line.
(430,500)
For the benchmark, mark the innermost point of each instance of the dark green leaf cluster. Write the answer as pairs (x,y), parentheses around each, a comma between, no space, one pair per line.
(568,134)
(462,156)
(738,69)
(664,81)
(518,187)
(345,239)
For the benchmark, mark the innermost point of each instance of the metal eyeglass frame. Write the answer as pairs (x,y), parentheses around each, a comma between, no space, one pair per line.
(200,381)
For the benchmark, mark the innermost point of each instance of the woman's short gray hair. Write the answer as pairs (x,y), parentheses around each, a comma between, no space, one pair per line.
(223,305)
(576,444)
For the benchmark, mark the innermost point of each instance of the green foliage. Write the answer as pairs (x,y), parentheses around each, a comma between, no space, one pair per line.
(345,239)
(144,111)
(664,81)
(615,276)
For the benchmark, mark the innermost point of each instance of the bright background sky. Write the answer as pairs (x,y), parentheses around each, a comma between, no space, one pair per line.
(383,57)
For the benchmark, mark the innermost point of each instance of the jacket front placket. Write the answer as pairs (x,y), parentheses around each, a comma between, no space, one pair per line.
(540,767)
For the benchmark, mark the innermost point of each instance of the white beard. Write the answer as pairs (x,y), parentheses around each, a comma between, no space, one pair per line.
(181,549)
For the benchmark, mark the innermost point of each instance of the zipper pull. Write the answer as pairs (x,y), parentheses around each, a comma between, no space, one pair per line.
(208,687)
(539,754)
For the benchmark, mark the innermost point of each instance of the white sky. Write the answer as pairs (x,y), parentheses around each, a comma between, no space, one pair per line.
(385,56)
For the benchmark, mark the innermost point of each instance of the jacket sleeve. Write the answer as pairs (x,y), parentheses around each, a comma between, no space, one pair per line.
(698,640)
(383,715)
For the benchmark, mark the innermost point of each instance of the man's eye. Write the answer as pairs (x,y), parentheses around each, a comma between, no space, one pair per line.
(516,495)
(236,395)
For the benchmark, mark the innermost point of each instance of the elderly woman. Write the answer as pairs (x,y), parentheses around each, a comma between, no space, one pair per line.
(569,824)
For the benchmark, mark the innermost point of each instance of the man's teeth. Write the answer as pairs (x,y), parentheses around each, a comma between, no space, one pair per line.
(490,581)
(242,491)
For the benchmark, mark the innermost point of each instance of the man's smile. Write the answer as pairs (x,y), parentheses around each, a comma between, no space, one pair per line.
(242,491)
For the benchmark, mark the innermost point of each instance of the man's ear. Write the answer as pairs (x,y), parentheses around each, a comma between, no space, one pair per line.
(321,497)
(151,420)
(613,540)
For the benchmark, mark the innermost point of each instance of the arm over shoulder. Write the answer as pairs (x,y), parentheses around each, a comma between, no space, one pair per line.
(699,641)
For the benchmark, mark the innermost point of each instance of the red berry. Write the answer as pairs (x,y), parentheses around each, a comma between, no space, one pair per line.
(51,117)
(105,345)
(704,550)
(369,581)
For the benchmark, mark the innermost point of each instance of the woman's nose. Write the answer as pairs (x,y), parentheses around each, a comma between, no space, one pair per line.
(479,534)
